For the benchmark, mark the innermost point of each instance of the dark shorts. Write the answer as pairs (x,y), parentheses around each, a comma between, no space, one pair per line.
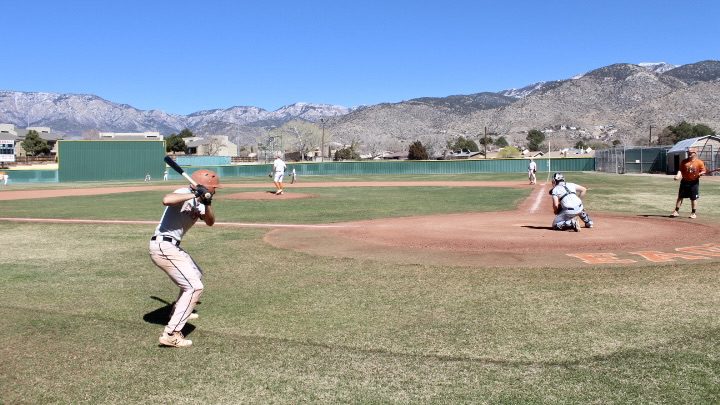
(689,189)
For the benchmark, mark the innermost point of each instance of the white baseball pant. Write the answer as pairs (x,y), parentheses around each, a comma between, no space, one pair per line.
(185,273)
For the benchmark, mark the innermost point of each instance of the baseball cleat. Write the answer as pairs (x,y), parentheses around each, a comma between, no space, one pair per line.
(693,216)
(175,340)
(589,225)
(674,214)
(575,226)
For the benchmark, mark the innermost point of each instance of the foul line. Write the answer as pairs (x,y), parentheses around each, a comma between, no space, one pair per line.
(110,221)
(538,198)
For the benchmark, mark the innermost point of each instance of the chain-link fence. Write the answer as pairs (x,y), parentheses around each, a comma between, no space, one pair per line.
(632,159)
(710,155)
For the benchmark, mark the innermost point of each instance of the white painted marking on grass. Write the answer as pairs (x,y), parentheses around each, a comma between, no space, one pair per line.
(111,221)
(76,221)
(248,225)
(538,198)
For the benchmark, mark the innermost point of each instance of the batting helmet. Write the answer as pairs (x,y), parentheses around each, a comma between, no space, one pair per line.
(206,178)
(558,178)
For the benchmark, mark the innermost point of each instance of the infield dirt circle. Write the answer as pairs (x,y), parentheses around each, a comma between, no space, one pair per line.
(522,237)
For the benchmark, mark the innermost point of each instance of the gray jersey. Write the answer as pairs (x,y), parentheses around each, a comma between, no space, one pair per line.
(565,192)
(178,219)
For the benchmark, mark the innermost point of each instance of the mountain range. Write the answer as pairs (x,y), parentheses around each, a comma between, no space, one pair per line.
(620,101)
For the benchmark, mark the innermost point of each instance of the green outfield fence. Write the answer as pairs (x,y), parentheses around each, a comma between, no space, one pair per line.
(133,165)
(408,167)
(31,176)
(110,160)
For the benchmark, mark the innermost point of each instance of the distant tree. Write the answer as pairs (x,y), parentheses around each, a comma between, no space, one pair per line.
(535,138)
(501,142)
(346,154)
(598,145)
(486,142)
(703,130)
(581,144)
(463,143)
(675,133)
(175,143)
(302,135)
(34,145)
(214,147)
(417,151)
(186,133)
(508,152)
(616,142)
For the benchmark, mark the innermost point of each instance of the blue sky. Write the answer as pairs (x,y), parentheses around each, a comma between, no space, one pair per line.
(184,56)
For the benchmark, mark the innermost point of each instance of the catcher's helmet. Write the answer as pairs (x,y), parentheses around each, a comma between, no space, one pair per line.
(207,178)
(558,178)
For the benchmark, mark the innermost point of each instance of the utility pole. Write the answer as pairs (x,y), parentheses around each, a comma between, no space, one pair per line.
(486,142)
(650,140)
(322,146)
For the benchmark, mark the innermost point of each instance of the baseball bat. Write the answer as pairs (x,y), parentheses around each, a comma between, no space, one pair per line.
(180,171)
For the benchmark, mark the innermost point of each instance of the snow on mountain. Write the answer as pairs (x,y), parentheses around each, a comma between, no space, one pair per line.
(657,67)
(75,113)
(538,87)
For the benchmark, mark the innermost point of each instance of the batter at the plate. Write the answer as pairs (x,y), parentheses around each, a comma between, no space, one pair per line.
(183,208)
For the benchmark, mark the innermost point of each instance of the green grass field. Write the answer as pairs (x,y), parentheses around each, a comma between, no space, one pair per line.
(83,306)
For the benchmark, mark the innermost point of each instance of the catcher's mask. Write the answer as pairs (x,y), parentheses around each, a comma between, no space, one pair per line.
(207,178)
(558,178)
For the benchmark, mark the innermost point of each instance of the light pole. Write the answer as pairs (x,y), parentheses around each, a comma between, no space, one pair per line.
(322,145)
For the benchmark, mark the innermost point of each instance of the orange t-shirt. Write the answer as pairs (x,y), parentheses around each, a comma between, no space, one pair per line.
(691,169)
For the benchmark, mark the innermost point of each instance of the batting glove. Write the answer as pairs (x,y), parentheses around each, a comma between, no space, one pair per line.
(200,190)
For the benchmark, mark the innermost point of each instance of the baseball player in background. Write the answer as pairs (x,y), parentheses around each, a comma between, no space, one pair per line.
(278,173)
(567,204)
(183,208)
(532,169)
(294,176)
(691,168)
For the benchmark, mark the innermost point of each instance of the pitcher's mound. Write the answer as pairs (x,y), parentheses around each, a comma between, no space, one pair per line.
(266,195)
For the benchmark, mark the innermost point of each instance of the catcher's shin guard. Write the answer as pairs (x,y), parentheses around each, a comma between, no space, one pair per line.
(585,218)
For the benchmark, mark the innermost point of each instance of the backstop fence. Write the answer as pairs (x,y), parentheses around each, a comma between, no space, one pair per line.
(632,159)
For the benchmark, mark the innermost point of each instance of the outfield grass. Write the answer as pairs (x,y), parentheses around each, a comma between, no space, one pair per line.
(83,306)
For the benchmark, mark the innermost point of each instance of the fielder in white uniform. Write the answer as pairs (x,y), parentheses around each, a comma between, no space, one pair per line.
(532,169)
(278,173)
(567,204)
(183,208)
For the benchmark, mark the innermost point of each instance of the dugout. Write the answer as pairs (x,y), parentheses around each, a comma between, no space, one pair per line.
(100,160)
(708,151)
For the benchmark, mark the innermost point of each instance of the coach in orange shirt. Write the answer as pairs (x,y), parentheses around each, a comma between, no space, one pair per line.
(689,174)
